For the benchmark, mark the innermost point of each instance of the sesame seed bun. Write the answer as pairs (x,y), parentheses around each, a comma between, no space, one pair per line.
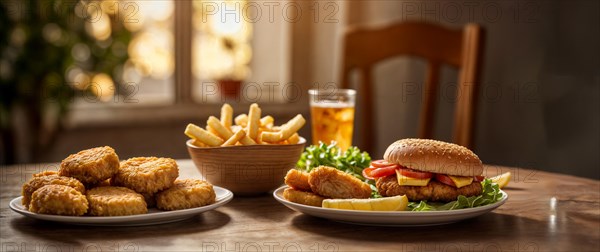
(434,156)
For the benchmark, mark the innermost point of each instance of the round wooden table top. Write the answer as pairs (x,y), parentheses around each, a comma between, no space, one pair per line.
(545,212)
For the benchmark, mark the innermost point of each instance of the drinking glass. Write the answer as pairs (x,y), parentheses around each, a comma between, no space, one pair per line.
(332,113)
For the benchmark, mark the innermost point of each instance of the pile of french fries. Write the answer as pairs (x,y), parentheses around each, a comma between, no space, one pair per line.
(249,129)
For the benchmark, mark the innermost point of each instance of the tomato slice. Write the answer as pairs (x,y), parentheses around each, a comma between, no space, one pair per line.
(384,171)
(478,178)
(381,163)
(415,174)
(367,172)
(377,172)
(444,179)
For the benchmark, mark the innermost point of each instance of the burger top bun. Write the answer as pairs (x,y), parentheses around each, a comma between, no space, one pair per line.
(434,156)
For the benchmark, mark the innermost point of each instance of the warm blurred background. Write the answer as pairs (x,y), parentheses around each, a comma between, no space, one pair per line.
(131,74)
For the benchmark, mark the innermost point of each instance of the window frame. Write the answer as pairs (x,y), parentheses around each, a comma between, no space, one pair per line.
(183,106)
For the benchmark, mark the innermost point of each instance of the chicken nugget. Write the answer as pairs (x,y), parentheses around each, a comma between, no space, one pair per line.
(58,200)
(333,183)
(91,166)
(304,198)
(186,193)
(115,201)
(297,179)
(39,180)
(147,174)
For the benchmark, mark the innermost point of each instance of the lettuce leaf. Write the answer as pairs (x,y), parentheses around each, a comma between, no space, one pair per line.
(490,194)
(352,161)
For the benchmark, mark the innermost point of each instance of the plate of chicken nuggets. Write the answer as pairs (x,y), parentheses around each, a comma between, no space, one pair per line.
(93,187)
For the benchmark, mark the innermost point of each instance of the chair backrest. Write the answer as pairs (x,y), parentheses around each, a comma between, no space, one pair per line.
(365,47)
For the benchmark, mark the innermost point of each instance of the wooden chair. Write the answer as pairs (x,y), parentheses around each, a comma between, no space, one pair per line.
(364,48)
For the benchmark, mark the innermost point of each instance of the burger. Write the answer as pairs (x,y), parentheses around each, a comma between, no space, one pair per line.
(430,170)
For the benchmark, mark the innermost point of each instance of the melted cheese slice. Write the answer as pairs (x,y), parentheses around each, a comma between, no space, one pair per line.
(461,181)
(408,181)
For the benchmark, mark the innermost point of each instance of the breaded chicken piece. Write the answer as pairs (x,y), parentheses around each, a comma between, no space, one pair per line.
(58,200)
(40,180)
(186,193)
(304,198)
(115,201)
(147,174)
(91,166)
(333,183)
(434,191)
(298,180)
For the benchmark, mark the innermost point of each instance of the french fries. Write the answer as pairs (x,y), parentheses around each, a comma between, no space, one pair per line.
(249,129)
(199,134)
(271,137)
(241,120)
(221,130)
(235,138)
(267,121)
(253,122)
(292,126)
(226,115)
(294,139)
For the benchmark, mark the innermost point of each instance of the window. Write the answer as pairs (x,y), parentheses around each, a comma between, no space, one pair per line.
(141,30)
(240,41)
(181,51)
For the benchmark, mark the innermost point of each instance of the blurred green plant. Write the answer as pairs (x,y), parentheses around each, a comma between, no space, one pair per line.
(49,52)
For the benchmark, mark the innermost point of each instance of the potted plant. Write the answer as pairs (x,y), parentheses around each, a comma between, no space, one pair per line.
(224,48)
(51,54)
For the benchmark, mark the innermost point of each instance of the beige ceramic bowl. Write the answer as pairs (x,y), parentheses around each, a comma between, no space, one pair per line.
(246,170)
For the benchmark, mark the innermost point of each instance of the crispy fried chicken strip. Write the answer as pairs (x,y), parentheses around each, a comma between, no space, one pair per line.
(297,180)
(304,198)
(333,183)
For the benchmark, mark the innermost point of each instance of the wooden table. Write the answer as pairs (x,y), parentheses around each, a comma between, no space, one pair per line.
(545,212)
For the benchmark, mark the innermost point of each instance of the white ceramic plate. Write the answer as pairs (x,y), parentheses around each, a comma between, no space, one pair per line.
(381,218)
(154,216)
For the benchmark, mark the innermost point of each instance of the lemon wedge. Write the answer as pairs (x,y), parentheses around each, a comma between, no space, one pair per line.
(396,203)
(502,179)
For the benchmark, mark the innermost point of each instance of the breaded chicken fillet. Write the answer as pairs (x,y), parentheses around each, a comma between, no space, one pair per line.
(304,198)
(336,184)
(297,180)
(434,191)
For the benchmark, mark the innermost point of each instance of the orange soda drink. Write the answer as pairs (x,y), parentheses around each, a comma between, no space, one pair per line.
(332,116)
